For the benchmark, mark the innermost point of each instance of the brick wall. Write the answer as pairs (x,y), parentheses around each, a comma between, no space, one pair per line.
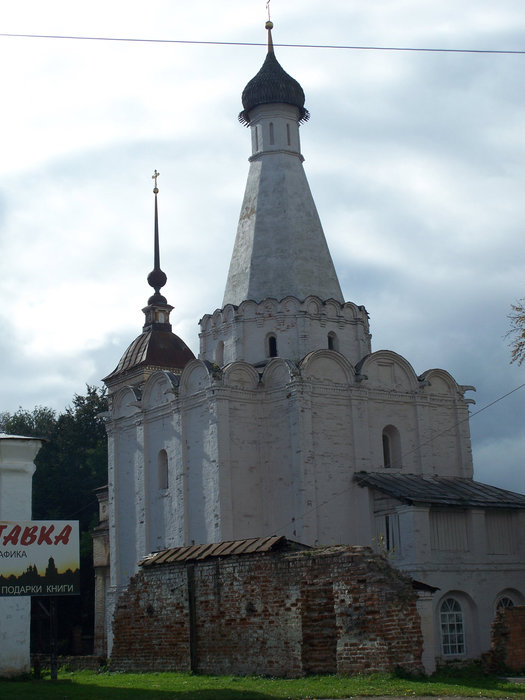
(338,609)
(508,640)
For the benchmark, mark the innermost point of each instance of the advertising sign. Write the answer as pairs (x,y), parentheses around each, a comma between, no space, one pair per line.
(39,557)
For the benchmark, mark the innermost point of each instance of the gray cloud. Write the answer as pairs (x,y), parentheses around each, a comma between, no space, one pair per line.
(415,161)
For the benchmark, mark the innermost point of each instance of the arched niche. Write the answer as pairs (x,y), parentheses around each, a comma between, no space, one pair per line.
(332,309)
(350,311)
(206,322)
(195,377)
(228,313)
(269,307)
(290,305)
(278,373)
(248,309)
(158,390)
(389,371)
(327,366)
(241,375)
(125,402)
(438,381)
(313,305)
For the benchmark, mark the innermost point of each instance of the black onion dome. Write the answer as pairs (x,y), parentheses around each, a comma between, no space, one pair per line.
(272,84)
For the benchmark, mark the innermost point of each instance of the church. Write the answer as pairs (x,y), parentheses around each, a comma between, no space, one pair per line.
(289,424)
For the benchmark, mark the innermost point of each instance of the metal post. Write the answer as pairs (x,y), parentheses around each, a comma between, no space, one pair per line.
(53,637)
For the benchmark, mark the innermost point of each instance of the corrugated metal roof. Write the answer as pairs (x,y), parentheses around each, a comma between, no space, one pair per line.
(440,490)
(199,552)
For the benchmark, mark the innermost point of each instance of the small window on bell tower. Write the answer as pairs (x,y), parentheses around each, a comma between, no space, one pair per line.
(272,346)
(333,343)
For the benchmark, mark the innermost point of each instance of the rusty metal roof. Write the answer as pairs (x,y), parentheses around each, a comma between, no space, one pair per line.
(440,490)
(156,348)
(199,552)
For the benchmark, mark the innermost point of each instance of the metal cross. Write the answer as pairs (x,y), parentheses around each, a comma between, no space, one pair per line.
(155,176)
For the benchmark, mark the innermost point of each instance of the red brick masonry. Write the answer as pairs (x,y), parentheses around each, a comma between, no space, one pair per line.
(508,639)
(337,609)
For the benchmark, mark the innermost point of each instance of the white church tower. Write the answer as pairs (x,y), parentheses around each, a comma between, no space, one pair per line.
(289,424)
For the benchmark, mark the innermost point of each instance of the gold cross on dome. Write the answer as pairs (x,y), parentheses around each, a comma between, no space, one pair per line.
(154,177)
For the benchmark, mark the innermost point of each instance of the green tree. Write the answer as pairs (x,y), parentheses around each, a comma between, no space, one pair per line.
(70,465)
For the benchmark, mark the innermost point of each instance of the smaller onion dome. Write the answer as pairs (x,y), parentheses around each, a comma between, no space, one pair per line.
(272,84)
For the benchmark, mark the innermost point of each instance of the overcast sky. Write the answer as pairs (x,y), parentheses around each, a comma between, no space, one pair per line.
(416,162)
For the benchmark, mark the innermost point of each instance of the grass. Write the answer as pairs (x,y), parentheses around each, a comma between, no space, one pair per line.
(87,685)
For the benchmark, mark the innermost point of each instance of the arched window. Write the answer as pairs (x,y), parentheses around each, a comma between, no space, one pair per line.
(452,628)
(272,346)
(391,447)
(333,341)
(162,470)
(504,602)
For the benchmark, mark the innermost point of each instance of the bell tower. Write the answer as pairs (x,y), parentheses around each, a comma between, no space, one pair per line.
(282,295)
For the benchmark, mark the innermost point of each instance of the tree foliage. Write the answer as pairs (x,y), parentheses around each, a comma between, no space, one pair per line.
(71,463)
(516,332)
(73,460)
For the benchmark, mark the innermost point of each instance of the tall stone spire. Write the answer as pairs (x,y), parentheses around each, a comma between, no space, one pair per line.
(157,347)
(158,310)
(280,249)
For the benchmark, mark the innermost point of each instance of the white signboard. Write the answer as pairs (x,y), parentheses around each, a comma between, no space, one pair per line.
(39,557)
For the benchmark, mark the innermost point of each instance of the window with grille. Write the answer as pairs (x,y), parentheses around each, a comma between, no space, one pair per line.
(452,628)
(504,602)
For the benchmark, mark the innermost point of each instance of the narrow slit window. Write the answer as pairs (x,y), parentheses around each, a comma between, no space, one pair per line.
(272,139)
(272,346)
(219,353)
(333,343)
(391,442)
(162,470)
(387,462)
(288,135)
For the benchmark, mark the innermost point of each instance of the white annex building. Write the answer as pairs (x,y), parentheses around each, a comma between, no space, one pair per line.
(288,423)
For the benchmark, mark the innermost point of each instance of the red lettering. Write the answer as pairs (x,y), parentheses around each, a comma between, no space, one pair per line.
(45,534)
(2,528)
(29,535)
(64,535)
(12,537)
